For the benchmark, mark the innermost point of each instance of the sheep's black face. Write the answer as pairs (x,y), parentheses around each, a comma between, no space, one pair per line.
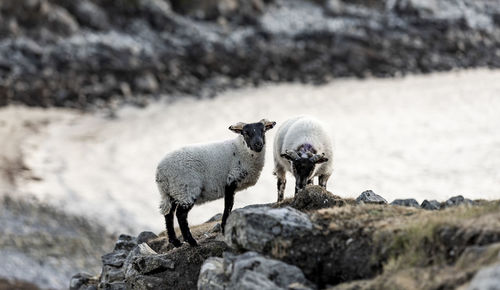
(303,165)
(303,169)
(254,136)
(254,133)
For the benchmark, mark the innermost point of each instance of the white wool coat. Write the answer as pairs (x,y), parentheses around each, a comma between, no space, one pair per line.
(298,131)
(199,173)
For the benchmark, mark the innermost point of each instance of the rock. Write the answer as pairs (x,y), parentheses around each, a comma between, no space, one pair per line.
(88,50)
(262,228)
(487,278)
(82,281)
(159,244)
(154,263)
(431,205)
(312,197)
(91,15)
(115,259)
(406,202)
(370,197)
(125,243)
(141,267)
(215,218)
(457,200)
(145,237)
(250,271)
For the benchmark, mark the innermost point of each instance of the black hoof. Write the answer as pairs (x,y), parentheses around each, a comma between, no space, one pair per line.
(175,242)
(192,243)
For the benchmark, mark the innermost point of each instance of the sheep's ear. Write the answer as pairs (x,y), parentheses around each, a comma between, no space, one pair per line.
(319,158)
(290,155)
(268,125)
(237,128)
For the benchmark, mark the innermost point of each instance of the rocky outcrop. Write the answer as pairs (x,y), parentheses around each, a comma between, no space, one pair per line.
(95,53)
(149,262)
(250,271)
(344,246)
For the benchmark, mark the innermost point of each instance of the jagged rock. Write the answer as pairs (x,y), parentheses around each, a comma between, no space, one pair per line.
(431,205)
(406,202)
(262,228)
(215,218)
(115,259)
(126,243)
(457,200)
(312,197)
(250,271)
(82,281)
(155,263)
(370,197)
(487,278)
(138,266)
(145,237)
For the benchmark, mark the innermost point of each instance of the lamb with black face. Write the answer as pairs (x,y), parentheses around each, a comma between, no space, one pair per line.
(303,147)
(303,166)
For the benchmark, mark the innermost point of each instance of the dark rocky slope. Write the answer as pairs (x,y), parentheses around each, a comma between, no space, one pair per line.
(41,246)
(92,53)
(334,244)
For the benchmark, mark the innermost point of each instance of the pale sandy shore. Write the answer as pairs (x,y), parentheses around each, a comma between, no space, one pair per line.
(426,137)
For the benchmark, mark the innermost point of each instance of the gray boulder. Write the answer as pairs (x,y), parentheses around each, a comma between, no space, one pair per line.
(411,202)
(431,205)
(370,197)
(458,200)
(262,228)
(486,279)
(250,271)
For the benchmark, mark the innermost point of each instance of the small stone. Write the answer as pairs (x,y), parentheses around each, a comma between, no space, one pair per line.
(370,197)
(125,242)
(458,200)
(115,259)
(430,205)
(411,202)
(81,281)
(215,218)
(154,263)
(145,237)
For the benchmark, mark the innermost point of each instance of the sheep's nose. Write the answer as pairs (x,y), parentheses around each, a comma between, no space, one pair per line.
(258,144)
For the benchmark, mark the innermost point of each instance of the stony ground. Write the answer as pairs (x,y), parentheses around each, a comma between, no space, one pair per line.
(101,53)
(325,243)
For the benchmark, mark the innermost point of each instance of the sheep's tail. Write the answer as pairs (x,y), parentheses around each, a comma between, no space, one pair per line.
(165,204)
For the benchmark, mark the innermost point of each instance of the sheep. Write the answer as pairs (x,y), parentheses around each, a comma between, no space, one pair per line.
(302,147)
(199,173)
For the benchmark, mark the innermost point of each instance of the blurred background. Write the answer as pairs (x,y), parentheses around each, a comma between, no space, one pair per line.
(93,93)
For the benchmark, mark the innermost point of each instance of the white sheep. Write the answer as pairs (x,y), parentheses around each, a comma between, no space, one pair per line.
(199,173)
(302,146)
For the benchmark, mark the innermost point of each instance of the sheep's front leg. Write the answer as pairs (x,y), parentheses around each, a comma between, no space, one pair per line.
(228,203)
(169,223)
(182,213)
(323,179)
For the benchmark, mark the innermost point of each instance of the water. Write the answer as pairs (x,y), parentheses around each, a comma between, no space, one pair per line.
(423,137)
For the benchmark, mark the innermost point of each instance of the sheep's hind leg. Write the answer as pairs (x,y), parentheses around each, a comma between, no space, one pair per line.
(182,213)
(323,179)
(169,222)
(280,173)
(228,203)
